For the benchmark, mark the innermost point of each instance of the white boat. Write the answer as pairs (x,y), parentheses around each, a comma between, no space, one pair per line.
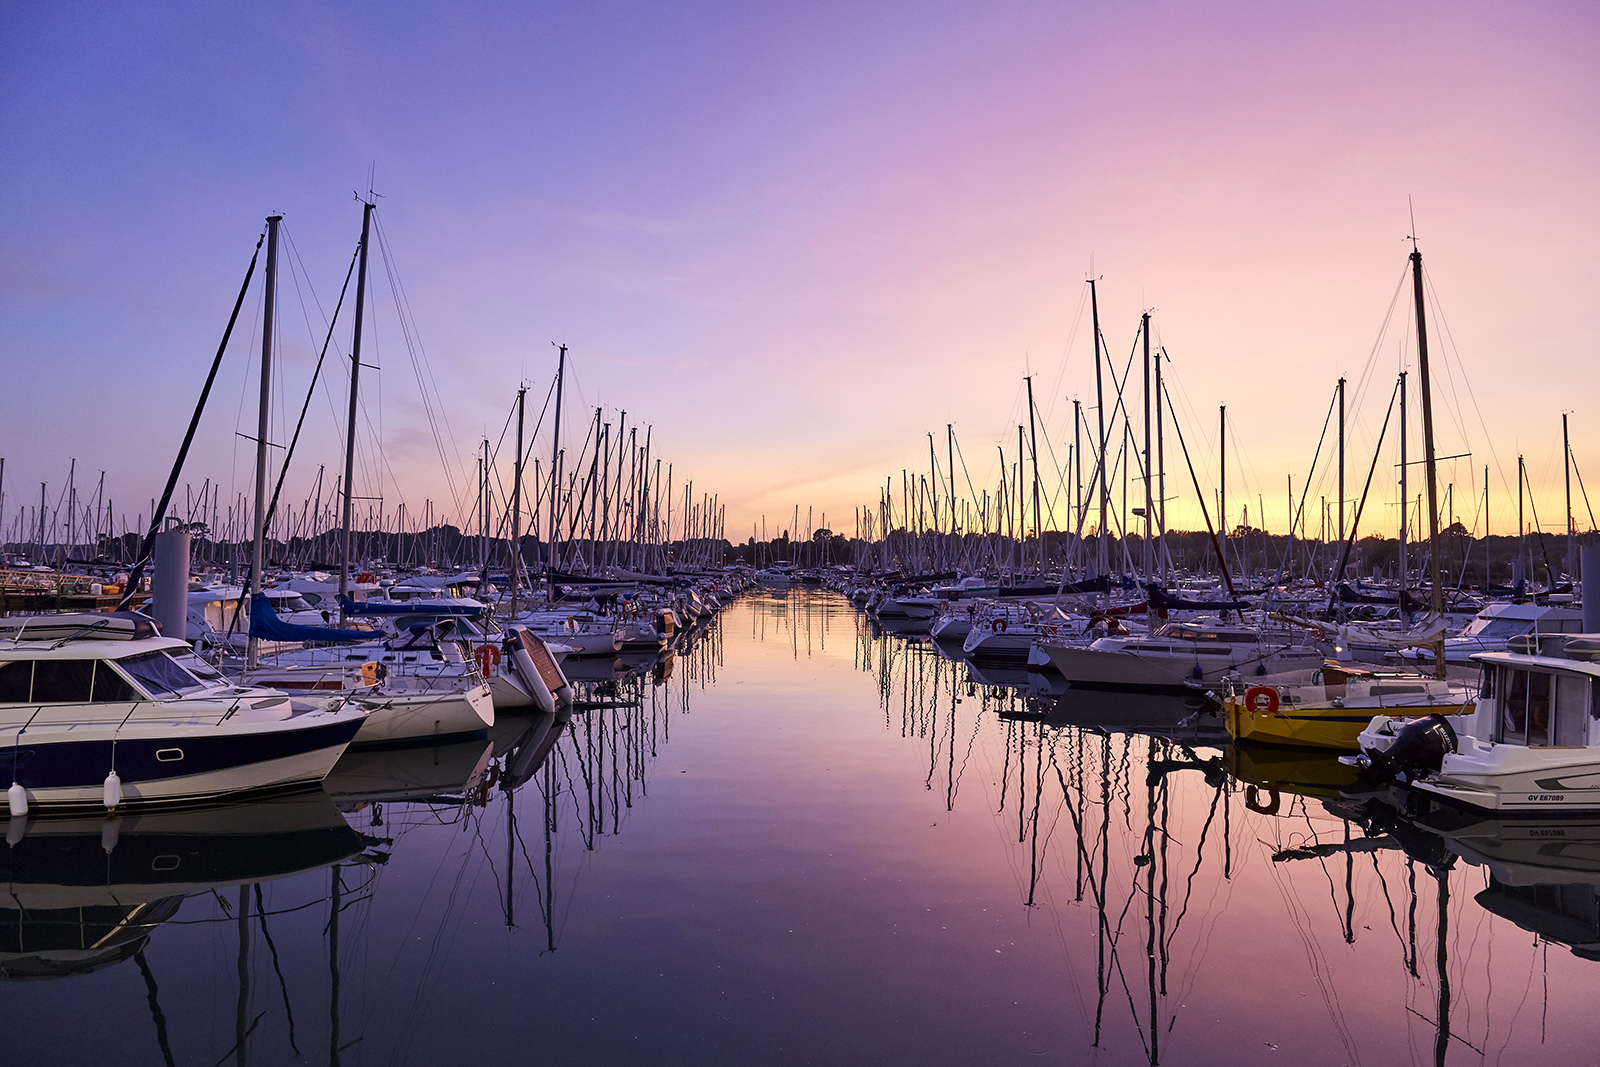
(90,723)
(1531,745)
(1182,655)
(1495,625)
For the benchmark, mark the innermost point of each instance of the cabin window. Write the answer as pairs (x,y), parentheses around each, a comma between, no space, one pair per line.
(1486,683)
(1570,723)
(111,687)
(63,681)
(159,674)
(16,678)
(1514,708)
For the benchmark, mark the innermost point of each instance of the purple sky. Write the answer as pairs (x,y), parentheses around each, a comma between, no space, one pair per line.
(796,240)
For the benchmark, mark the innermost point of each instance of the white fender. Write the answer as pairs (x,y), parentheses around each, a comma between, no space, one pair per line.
(542,698)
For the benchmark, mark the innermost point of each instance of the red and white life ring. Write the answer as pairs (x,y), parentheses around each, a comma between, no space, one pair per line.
(1253,699)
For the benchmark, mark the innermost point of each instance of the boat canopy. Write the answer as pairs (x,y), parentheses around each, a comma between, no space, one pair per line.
(265,624)
(452,606)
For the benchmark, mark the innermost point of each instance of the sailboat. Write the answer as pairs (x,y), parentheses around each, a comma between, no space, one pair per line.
(1331,707)
(401,707)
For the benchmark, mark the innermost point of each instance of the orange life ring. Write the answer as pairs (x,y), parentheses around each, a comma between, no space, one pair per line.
(487,656)
(1252,800)
(364,577)
(999,626)
(1253,695)
(944,605)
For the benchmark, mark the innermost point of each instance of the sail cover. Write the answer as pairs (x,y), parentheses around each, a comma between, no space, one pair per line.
(265,624)
(450,606)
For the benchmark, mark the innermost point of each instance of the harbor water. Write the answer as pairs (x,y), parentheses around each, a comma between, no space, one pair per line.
(800,839)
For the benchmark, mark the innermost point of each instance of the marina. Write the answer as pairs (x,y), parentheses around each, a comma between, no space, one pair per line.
(805,535)
(796,816)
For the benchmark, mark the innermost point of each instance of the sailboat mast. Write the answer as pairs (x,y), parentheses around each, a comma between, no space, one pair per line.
(1222,480)
(1405,507)
(1336,577)
(1430,462)
(516,505)
(1149,517)
(1033,445)
(350,428)
(257,547)
(1100,414)
(555,484)
(1566,464)
(1161,469)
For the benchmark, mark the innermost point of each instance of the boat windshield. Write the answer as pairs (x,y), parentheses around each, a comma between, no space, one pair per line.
(1498,629)
(159,674)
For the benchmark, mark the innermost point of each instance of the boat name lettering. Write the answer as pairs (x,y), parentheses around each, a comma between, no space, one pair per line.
(1546,798)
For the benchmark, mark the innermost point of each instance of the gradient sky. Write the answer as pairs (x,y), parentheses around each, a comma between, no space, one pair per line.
(797,238)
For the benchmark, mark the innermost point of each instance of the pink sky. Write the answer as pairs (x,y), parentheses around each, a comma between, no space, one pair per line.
(796,240)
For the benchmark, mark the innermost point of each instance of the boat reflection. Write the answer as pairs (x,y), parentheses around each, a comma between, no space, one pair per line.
(85,894)
(1115,804)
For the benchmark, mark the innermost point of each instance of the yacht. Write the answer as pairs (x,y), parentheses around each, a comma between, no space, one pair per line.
(104,716)
(1531,744)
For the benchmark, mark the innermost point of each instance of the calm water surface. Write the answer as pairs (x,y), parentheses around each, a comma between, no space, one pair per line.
(801,840)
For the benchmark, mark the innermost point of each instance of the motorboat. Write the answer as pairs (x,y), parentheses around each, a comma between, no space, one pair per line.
(107,718)
(1328,707)
(1530,745)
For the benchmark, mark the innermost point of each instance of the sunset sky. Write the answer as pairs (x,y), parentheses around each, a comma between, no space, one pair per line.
(795,239)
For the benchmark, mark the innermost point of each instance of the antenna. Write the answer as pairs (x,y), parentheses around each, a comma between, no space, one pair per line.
(1412,209)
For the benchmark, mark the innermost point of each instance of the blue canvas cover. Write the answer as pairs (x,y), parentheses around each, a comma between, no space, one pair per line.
(265,624)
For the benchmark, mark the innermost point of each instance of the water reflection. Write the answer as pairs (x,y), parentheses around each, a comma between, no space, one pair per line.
(1374,907)
(798,838)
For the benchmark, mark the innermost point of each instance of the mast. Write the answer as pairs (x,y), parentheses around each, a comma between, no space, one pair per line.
(1149,518)
(1033,439)
(1430,463)
(1161,468)
(1077,479)
(555,484)
(1100,415)
(257,548)
(1405,505)
(1566,463)
(516,504)
(350,429)
(1222,480)
(1336,577)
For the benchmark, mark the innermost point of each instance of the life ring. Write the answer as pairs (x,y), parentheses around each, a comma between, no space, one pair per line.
(999,626)
(1319,634)
(944,605)
(364,577)
(1252,800)
(487,656)
(1252,699)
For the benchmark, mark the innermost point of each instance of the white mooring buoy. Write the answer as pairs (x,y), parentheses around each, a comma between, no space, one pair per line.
(112,795)
(17,798)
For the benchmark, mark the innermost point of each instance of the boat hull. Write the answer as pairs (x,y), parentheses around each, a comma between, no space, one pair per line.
(427,717)
(180,764)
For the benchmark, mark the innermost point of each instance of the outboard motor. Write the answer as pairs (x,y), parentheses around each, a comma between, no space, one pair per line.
(1419,745)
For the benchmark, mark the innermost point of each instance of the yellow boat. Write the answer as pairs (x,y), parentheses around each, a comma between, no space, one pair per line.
(1328,708)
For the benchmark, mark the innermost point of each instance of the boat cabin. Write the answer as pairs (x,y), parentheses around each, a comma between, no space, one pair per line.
(1543,692)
